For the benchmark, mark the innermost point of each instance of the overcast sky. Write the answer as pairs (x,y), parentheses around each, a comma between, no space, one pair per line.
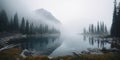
(74,14)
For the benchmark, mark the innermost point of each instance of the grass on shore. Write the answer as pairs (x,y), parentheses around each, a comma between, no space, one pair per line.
(90,57)
(10,54)
(14,54)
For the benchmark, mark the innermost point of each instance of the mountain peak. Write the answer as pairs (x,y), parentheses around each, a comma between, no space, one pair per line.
(42,10)
(46,14)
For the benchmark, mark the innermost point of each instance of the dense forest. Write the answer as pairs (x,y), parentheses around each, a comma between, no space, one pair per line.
(14,25)
(101,28)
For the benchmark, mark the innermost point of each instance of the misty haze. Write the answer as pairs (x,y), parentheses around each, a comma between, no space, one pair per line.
(59,29)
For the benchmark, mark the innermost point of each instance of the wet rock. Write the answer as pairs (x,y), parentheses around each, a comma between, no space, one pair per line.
(25,53)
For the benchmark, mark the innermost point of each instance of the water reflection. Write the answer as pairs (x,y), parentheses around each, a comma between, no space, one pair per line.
(96,40)
(79,43)
(70,43)
(40,45)
(102,42)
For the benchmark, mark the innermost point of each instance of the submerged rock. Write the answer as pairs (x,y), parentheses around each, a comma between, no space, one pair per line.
(92,51)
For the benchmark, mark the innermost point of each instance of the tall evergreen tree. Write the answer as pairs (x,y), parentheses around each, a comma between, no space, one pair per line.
(113,28)
(92,28)
(89,28)
(106,31)
(98,28)
(27,27)
(95,30)
(11,25)
(22,26)
(46,28)
(118,22)
(16,25)
(3,21)
(102,27)
(31,28)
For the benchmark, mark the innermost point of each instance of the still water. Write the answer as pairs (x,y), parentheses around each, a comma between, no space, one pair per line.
(77,43)
(61,45)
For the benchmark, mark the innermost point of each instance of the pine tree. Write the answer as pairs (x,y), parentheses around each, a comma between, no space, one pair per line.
(41,29)
(98,28)
(22,26)
(113,28)
(16,25)
(11,25)
(102,27)
(106,31)
(3,21)
(89,29)
(92,28)
(31,28)
(46,28)
(118,21)
(95,30)
(27,27)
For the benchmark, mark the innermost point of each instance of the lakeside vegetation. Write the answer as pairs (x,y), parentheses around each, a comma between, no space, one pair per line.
(100,29)
(24,26)
(14,54)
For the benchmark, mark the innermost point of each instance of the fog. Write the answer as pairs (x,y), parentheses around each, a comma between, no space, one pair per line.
(74,15)
(69,16)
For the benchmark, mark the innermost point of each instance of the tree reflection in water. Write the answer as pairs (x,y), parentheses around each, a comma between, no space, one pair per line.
(41,45)
(101,42)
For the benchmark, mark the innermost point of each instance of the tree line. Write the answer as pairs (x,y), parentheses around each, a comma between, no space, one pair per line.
(101,28)
(14,25)
(115,28)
